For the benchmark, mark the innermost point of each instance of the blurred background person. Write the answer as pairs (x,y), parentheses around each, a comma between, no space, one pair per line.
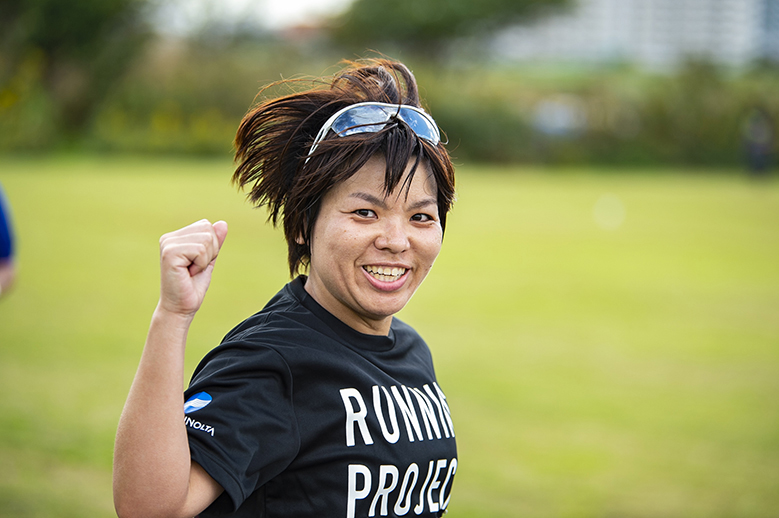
(7,264)
(759,141)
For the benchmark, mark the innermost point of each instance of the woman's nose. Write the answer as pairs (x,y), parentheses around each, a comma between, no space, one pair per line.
(393,237)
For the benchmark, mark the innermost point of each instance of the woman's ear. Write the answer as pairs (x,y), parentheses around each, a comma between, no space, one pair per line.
(301,238)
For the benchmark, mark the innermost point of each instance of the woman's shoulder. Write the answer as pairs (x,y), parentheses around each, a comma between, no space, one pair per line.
(282,314)
(404,332)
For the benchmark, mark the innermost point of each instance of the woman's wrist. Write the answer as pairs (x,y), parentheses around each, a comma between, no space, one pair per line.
(168,316)
(169,330)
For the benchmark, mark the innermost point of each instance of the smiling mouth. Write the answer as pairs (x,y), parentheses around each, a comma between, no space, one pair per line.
(385,273)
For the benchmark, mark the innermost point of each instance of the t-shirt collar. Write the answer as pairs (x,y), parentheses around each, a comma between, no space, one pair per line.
(350,335)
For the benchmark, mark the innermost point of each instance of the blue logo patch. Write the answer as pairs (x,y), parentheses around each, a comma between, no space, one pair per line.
(197,402)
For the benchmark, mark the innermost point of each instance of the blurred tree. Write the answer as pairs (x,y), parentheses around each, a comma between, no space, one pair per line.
(426,26)
(71,50)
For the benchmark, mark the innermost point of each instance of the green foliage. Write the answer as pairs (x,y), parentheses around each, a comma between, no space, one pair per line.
(76,51)
(191,100)
(26,109)
(621,371)
(65,29)
(695,116)
(189,97)
(422,26)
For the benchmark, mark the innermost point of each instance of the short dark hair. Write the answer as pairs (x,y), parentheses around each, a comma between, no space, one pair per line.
(275,137)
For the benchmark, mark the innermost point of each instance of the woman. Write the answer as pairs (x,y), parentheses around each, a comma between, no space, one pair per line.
(322,404)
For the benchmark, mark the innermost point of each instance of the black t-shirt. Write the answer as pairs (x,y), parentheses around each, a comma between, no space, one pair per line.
(296,414)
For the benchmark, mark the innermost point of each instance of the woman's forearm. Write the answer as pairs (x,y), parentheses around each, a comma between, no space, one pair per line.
(153,472)
(151,459)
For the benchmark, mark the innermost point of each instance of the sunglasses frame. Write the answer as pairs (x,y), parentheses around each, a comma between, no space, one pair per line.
(368,127)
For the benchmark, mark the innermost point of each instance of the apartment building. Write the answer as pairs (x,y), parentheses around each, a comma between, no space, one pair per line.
(656,34)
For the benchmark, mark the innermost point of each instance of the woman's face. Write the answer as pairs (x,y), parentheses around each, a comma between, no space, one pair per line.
(370,252)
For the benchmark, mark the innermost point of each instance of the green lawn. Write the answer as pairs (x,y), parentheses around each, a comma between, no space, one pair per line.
(630,370)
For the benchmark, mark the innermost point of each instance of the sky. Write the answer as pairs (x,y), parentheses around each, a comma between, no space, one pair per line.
(184,16)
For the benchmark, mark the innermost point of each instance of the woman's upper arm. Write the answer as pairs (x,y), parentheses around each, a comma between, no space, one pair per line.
(203,490)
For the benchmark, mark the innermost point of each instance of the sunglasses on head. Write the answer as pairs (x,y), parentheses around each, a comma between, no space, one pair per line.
(372,117)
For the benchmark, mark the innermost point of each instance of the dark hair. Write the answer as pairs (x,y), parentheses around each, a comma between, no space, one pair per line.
(274,139)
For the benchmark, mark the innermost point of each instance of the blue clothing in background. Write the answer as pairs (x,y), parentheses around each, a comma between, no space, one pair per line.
(6,237)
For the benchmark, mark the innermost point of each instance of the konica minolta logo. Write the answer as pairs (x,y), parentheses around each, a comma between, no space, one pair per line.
(196,402)
(193,404)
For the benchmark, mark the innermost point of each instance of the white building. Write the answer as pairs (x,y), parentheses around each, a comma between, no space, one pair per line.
(651,33)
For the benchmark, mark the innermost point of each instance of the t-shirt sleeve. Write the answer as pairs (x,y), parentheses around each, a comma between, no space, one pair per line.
(240,418)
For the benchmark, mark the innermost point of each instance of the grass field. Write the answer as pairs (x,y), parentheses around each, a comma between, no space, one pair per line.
(596,366)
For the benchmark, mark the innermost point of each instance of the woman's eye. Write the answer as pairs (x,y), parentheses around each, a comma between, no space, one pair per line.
(423,218)
(365,213)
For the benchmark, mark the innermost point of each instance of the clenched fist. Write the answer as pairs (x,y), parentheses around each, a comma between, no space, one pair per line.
(187,258)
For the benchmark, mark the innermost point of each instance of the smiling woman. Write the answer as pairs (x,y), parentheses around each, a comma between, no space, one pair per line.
(323,403)
(371,251)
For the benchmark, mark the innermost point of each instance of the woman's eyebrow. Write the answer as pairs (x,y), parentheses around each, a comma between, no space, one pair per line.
(370,198)
(379,202)
(422,203)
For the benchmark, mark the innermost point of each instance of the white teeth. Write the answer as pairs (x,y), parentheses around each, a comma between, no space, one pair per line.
(385,273)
